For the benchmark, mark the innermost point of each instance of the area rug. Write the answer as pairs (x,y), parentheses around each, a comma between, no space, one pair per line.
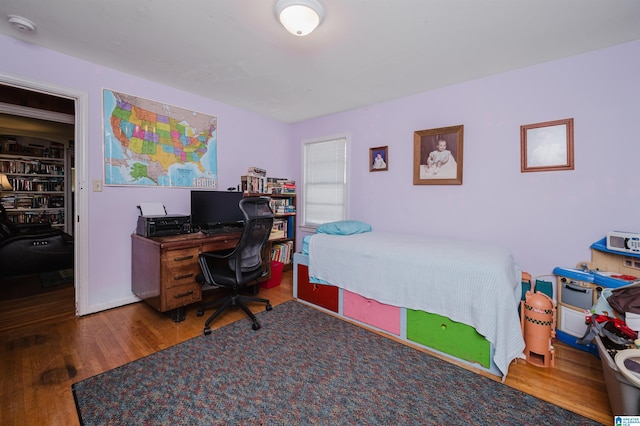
(303,367)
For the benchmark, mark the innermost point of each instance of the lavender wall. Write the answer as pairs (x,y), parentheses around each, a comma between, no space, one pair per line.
(244,139)
(546,219)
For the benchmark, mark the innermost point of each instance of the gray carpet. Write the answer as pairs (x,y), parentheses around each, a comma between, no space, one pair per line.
(303,367)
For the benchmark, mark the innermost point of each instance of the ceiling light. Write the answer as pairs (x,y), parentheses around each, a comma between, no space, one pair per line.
(299,17)
(21,24)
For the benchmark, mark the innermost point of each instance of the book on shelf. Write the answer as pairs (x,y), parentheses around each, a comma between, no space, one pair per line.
(256,171)
(33,147)
(279,229)
(282,206)
(281,252)
(252,184)
(54,217)
(280,186)
(8,201)
(24,201)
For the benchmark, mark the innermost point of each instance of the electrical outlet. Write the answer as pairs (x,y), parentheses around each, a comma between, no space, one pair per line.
(97,185)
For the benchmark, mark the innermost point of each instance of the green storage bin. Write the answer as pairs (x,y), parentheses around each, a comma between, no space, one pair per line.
(453,338)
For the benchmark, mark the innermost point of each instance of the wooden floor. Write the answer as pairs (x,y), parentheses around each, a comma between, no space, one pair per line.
(42,354)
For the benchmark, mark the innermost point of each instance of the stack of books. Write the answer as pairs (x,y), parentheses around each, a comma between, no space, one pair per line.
(8,201)
(24,201)
(281,186)
(279,229)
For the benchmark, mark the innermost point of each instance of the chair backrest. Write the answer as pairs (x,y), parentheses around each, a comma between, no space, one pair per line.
(258,221)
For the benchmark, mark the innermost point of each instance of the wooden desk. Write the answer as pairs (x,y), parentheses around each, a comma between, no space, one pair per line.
(164,269)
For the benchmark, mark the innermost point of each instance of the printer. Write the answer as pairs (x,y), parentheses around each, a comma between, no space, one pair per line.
(155,222)
(162,226)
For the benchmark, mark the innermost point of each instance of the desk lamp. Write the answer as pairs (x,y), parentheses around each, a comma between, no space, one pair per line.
(4,186)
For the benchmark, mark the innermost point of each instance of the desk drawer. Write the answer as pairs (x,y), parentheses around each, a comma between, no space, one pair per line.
(179,267)
(222,244)
(175,258)
(183,295)
(173,277)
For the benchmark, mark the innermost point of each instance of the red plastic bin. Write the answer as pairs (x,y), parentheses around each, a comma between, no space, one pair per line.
(276,275)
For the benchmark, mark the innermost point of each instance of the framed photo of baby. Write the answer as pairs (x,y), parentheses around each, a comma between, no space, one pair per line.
(437,156)
(379,159)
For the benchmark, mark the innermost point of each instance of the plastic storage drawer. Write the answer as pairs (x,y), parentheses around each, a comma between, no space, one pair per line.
(453,338)
(371,312)
(322,295)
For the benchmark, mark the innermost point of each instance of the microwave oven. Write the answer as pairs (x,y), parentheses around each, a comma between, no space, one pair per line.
(626,242)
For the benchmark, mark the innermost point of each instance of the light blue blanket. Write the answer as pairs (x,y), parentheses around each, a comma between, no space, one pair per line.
(472,283)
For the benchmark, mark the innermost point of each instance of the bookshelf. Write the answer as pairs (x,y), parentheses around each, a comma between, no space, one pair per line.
(282,196)
(36,169)
(283,235)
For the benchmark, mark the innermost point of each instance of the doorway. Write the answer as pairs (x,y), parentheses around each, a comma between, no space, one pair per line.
(77,188)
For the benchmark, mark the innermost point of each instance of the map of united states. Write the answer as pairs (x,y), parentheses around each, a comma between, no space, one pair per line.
(152,143)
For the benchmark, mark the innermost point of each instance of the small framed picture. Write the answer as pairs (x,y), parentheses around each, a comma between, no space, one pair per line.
(546,146)
(379,159)
(437,156)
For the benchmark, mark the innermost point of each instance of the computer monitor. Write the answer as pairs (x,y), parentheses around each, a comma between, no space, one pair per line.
(215,209)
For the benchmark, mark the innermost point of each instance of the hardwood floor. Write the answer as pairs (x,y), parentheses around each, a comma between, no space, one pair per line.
(42,358)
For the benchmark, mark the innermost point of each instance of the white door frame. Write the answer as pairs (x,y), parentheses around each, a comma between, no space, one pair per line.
(81,216)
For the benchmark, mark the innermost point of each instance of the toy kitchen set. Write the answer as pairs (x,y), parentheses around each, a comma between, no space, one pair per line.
(615,263)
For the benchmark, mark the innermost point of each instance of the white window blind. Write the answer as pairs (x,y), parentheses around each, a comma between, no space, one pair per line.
(325,181)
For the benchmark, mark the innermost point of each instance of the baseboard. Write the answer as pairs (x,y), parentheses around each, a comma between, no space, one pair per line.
(112,304)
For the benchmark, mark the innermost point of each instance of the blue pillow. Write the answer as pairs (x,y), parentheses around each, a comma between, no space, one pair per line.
(343,227)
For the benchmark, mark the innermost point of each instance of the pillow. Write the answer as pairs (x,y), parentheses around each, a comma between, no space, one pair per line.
(343,227)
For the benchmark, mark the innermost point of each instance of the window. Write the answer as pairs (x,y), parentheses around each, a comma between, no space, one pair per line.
(325,181)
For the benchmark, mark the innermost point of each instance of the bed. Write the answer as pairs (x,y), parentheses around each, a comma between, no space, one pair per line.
(470,283)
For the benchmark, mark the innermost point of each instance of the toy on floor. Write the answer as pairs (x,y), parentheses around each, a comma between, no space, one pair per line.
(538,321)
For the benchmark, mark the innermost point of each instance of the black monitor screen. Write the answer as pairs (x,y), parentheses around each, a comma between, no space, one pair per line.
(210,209)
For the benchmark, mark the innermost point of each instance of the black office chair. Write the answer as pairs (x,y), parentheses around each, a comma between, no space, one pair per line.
(245,264)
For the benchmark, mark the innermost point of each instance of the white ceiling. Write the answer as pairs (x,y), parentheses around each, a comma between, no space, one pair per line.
(364,52)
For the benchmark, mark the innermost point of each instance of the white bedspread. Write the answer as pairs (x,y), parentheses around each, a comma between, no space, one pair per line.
(472,283)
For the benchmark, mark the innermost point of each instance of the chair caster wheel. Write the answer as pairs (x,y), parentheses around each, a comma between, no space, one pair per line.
(256,326)
(207,331)
(269,307)
(200,312)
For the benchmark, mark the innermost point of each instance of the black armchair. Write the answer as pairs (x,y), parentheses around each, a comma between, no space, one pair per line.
(244,265)
(32,249)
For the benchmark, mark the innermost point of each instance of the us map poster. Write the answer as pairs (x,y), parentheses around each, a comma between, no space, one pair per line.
(148,143)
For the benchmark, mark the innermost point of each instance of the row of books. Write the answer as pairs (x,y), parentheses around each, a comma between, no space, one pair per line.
(11,146)
(281,252)
(280,186)
(52,217)
(31,167)
(253,184)
(28,201)
(31,184)
(257,182)
(282,205)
